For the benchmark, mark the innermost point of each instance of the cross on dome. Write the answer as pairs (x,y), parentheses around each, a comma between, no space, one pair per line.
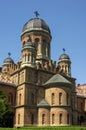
(63,50)
(9,54)
(36,14)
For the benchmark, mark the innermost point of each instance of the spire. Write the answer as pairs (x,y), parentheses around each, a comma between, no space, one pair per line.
(36,14)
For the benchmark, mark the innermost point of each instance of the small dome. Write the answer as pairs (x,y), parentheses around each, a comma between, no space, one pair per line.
(29,45)
(64,57)
(36,24)
(8,61)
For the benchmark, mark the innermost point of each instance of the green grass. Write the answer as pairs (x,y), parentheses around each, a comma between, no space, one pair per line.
(48,128)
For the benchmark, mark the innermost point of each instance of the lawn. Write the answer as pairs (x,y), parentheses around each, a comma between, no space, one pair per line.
(47,128)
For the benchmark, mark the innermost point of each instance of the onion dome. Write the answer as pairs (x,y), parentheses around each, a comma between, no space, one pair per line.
(36,24)
(8,60)
(29,45)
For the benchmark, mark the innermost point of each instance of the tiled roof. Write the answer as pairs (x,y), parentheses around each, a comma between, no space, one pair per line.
(81,90)
(43,103)
(5,79)
(57,79)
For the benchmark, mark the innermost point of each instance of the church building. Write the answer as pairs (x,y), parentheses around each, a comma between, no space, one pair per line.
(41,91)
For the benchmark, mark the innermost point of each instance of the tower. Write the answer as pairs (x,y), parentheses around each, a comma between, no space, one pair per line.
(6,64)
(37,32)
(28,54)
(64,64)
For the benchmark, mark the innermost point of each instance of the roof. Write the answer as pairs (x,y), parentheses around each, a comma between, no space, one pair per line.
(64,57)
(6,79)
(43,103)
(57,79)
(81,90)
(8,61)
(35,24)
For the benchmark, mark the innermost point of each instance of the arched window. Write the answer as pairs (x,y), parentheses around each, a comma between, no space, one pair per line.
(28,57)
(43,119)
(53,118)
(36,42)
(63,67)
(60,98)
(81,106)
(25,57)
(67,118)
(52,98)
(10,98)
(32,98)
(20,99)
(66,68)
(60,118)
(18,118)
(32,118)
(67,98)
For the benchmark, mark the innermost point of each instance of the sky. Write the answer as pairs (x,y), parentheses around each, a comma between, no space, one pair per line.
(66,20)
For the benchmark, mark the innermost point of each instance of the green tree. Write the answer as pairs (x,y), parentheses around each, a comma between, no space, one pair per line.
(6,115)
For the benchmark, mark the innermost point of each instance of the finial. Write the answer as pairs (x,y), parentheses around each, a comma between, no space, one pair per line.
(63,50)
(36,14)
(9,54)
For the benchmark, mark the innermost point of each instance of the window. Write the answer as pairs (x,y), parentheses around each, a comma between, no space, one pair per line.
(37,40)
(32,118)
(20,99)
(43,118)
(25,57)
(18,118)
(53,118)
(60,98)
(10,98)
(28,57)
(81,106)
(60,118)
(67,118)
(67,98)
(32,98)
(62,67)
(52,98)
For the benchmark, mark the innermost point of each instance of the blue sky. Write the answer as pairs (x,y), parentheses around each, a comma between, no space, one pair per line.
(67,22)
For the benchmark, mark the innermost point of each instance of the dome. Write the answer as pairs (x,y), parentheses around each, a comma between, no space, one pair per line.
(64,57)
(7,61)
(35,24)
(29,45)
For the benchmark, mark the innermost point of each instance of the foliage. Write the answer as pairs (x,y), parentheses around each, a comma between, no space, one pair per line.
(48,128)
(5,113)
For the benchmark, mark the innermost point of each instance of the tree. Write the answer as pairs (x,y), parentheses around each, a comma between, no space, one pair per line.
(6,115)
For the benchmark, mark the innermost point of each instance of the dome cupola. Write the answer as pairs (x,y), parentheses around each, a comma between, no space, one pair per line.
(6,64)
(8,60)
(36,24)
(64,57)
(64,64)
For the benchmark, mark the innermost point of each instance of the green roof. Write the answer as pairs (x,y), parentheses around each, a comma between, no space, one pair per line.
(43,103)
(58,79)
